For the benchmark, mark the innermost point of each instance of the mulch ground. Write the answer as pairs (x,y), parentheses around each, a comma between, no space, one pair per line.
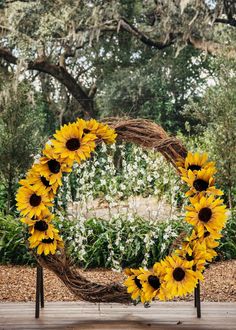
(17,283)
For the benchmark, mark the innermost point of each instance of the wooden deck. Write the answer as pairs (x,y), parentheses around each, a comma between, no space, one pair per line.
(84,316)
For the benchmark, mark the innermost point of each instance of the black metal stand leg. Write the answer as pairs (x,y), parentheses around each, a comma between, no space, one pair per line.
(39,301)
(195,297)
(42,288)
(38,286)
(198,300)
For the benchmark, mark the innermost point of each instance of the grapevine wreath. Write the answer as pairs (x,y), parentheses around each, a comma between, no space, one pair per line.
(176,275)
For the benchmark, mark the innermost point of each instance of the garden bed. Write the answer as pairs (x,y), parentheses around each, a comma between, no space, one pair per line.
(17,283)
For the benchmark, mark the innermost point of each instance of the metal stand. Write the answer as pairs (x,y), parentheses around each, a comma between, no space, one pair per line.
(197,300)
(39,301)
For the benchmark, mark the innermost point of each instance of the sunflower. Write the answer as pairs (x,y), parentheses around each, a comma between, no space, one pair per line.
(201,182)
(71,143)
(195,162)
(180,279)
(51,167)
(39,182)
(47,244)
(196,252)
(102,131)
(151,283)
(46,215)
(106,133)
(90,126)
(128,271)
(134,285)
(30,202)
(209,241)
(41,227)
(206,239)
(206,214)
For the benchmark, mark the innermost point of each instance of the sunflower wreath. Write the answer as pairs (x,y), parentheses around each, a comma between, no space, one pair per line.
(176,275)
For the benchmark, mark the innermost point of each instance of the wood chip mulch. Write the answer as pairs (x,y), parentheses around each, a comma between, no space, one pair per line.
(17,283)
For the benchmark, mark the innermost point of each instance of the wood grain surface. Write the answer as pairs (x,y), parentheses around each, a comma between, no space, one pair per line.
(83,316)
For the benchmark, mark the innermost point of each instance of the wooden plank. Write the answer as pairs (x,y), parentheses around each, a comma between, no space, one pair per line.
(79,315)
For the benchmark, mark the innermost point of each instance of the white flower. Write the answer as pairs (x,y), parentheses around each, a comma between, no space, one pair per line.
(37,159)
(120,193)
(122,186)
(166,236)
(104,147)
(103,182)
(140,182)
(122,248)
(113,146)
(163,247)
(149,178)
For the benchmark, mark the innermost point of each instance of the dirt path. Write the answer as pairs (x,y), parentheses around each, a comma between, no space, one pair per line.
(150,208)
(17,283)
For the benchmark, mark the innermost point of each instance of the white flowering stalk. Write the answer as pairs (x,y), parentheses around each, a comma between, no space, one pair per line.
(112,181)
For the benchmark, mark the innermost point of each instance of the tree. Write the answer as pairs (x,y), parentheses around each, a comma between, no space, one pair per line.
(157,89)
(216,112)
(22,122)
(65,39)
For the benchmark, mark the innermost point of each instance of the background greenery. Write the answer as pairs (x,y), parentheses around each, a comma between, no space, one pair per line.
(86,48)
(118,243)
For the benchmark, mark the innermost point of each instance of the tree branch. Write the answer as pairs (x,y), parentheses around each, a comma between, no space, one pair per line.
(231,22)
(125,25)
(59,73)
(210,47)
(213,48)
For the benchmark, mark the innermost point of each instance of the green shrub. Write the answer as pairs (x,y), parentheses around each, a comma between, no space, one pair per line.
(119,171)
(120,242)
(227,247)
(3,197)
(13,248)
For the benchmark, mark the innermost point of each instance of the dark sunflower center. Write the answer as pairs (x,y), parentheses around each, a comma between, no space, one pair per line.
(73,144)
(41,225)
(194,167)
(54,166)
(205,214)
(189,258)
(45,181)
(35,200)
(86,131)
(47,240)
(194,268)
(206,234)
(178,274)
(154,282)
(137,282)
(200,185)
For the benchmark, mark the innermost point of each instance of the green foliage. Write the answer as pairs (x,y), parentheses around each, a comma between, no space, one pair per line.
(13,248)
(217,132)
(121,171)
(227,247)
(117,243)
(3,197)
(123,241)
(155,88)
(21,133)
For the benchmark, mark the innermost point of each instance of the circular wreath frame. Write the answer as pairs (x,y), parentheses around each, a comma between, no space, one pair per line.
(144,133)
